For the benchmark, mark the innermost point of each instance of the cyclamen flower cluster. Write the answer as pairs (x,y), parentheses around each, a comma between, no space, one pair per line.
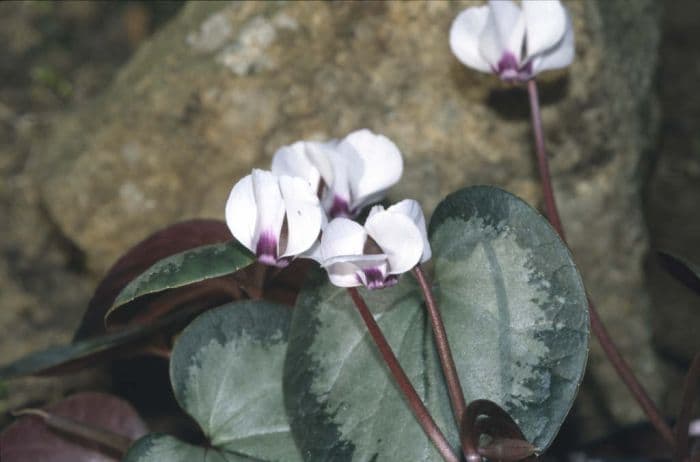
(305,206)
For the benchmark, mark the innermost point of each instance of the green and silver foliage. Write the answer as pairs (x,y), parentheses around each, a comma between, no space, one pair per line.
(226,372)
(190,266)
(516,315)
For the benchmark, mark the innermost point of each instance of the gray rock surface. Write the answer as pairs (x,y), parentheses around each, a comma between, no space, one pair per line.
(222,86)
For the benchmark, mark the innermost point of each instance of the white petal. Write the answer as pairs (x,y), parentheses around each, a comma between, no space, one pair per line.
(413,210)
(339,187)
(319,154)
(348,271)
(269,202)
(314,252)
(342,237)
(464,37)
(381,166)
(545,24)
(242,211)
(504,32)
(375,209)
(398,237)
(292,160)
(560,56)
(304,215)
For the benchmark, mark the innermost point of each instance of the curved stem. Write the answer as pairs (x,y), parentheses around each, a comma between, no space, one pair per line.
(542,160)
(454,386)
(419,410)
(599,330)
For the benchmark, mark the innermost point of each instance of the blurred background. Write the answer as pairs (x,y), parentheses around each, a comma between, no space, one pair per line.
(119,118)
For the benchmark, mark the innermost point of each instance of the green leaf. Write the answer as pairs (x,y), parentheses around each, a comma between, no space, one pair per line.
(190,266)
(516,315)
(226,372)
(513,300)
(85,353)
(342,402)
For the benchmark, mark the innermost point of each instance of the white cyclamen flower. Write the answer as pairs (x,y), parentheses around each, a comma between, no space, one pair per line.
(514,42)
(391,242)
(275,217)
(347,174)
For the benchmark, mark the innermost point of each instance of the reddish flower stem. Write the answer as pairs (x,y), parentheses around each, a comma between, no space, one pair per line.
(419,410)
(621,367)
(454,386)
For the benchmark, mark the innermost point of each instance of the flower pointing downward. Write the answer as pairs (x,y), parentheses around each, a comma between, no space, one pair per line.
(515,43)
(347,174)
(276,217)
(391,242)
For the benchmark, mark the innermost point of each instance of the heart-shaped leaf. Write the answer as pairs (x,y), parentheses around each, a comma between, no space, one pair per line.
(85,353)
(30,439)
(513,299)
(226,372)
(516,315)
(188,267)
(161,244)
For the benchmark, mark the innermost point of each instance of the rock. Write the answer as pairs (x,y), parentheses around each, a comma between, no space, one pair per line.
(222,86)
(673,191)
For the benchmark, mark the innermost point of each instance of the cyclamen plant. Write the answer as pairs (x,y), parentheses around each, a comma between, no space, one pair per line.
(486,358)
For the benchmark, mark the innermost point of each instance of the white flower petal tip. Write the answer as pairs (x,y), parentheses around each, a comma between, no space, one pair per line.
(391,242)
(347,175)
(514,42)
(275,217)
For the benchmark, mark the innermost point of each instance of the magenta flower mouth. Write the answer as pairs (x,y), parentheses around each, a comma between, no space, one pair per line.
(340,208)
(375,279)
(266,251)
(509,70)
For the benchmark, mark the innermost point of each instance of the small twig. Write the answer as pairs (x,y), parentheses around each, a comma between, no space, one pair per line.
(82,430)
(597,326)
(690,388)
(442,344)
(419,410)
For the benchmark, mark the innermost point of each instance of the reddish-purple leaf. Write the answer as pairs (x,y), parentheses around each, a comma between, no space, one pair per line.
(31,439)
(171,240)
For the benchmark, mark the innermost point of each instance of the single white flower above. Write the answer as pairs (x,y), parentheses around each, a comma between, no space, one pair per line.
(347,174)
(515,42)
(391,242)
(275,217)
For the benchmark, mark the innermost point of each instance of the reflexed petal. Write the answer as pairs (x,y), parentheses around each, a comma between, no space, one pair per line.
(545,23)
(349,271)
(292,160)
(464,37)
(269,202)
(342,237)
(242,212)
(319,154)
(413,210)
(561,55)
(339,188)
(380,167)
(398,237)
(304,215)
(504,31)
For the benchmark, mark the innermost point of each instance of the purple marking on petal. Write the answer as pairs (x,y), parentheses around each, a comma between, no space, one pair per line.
(376,279)
(340,208)
(510,70)
(266,250)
